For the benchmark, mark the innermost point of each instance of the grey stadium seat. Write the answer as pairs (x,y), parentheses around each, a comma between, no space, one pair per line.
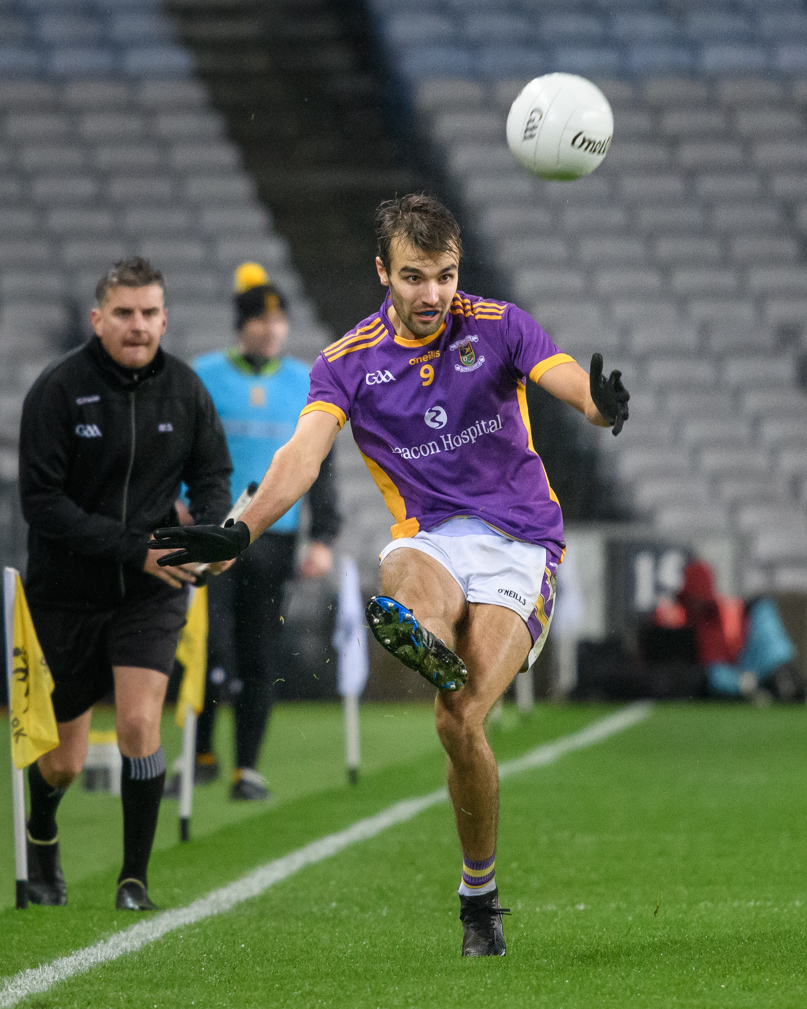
(172,222)
(651,187)
(728,185)
(681,520)
(650,338)
(81,254)
(110,126)
(680,372)
(68,222)
(141,189)
(740,311)
(763,249)
(727,461)
(789,280)
(746,217)
(529,284)
(170,253)
(634,282)
(786,403)
(688,250)
(704,280)
(19,221)
(233,187)
(37,127)
(518,252)
(236,221)
(604,252)
(58,188)
(129,157)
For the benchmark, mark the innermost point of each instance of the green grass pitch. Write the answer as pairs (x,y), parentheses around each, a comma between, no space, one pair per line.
(663,867)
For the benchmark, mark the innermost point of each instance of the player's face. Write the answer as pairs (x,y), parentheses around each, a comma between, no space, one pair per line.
(130,324)
(421,287)
(264,335)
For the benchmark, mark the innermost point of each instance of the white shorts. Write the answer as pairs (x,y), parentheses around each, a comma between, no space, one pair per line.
(491,568)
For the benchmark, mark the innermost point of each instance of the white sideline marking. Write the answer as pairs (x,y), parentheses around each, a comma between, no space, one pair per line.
(40,979)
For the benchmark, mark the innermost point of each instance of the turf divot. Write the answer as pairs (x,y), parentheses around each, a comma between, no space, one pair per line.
(223,899)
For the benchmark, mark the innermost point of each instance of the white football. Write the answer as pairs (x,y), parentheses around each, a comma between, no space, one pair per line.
(560,127)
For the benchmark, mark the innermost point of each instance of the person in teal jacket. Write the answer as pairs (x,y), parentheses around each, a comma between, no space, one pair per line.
(258,392)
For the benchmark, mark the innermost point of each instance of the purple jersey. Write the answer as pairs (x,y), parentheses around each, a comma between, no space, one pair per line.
(442,421)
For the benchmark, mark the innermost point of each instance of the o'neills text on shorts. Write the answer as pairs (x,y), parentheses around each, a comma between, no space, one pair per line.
(451,442)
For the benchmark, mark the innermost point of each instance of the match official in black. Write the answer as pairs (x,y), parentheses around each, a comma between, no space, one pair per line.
(109,432)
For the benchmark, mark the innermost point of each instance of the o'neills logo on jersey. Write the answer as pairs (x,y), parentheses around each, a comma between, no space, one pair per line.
(431,356)
(378,377)
(451,442)
(589,145)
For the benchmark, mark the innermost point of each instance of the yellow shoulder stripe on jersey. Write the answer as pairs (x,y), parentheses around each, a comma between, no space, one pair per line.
(357,346)
(521,392)
(354,338)
(321,406)
(354,334)
(394,501)
(543,367)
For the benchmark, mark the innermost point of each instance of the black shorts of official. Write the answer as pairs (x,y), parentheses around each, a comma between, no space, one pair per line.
(82,647)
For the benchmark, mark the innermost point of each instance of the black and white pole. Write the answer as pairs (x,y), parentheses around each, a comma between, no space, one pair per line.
(350,703)
(525,691)
(17,778)
(353,664)
(186,773)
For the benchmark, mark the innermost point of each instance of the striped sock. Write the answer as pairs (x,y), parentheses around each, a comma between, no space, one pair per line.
(478,877)
(141,789)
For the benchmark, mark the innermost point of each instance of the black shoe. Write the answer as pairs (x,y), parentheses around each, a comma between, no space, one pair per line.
(481,919)
(203,774)
(396,629)
(46,884)
(132,895)
(249,786)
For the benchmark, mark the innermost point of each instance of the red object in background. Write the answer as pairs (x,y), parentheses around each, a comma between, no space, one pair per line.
(718,621)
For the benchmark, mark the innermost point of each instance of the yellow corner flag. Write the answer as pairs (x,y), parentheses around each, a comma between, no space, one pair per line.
(192,653)
(33,724)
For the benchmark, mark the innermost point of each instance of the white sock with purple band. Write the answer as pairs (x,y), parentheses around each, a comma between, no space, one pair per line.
(478,877)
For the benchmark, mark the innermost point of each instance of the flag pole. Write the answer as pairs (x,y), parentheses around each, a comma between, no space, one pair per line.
(350,703)
(17,779)
(186,773)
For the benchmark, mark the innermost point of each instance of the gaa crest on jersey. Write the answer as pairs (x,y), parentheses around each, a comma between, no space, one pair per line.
(468,359)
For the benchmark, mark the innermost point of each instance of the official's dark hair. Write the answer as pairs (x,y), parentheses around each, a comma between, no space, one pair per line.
(419,220)
(136,272)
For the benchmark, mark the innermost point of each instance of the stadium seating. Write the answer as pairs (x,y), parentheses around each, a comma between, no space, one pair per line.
(682,258)
(109,147)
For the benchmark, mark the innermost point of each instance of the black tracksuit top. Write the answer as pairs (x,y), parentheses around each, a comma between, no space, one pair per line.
(103,451)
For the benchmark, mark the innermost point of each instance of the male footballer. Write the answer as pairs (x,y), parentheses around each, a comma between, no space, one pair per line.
(108,434)
(434,385)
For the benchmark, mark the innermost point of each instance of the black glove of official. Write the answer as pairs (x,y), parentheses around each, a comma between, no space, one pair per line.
(200,543)
(610,397)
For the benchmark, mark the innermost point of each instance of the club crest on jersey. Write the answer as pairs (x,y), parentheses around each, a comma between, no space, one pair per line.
(378,377)
(468,359)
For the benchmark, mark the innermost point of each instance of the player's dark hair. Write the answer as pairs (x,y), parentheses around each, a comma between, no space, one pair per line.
(419,220)
(135,272)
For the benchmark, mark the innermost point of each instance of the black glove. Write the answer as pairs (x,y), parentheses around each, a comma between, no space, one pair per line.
(200,543)
(610,397)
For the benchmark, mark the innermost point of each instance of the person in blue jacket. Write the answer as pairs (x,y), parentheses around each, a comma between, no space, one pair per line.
(258,392)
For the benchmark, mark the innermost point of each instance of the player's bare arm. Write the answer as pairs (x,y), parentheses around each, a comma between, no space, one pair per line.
(294,468)
(603,402)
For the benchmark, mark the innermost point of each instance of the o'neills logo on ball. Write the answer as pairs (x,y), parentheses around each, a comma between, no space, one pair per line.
(580,142)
